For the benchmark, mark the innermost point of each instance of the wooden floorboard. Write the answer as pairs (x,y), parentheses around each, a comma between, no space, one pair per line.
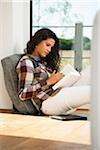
(22,143)
(41,132)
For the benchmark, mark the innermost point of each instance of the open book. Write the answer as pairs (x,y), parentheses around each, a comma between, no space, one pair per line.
(71,77)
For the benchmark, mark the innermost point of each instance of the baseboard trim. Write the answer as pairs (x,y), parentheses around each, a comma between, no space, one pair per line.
(7,111)
(12,111)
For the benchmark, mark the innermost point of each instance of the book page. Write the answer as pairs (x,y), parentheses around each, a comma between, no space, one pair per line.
(71,76)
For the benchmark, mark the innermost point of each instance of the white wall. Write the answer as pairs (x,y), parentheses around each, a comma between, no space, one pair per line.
(14,34)
(95,91)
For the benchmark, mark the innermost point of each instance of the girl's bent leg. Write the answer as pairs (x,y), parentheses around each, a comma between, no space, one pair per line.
(70,97)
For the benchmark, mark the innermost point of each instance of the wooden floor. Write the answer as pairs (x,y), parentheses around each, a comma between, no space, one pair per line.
(21,132)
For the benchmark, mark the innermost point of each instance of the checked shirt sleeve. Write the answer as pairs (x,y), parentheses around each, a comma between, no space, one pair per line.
(29,87)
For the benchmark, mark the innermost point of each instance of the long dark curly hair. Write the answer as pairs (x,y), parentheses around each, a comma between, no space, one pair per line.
(53,58)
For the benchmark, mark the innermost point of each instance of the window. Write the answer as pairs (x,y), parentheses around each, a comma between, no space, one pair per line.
(61,16)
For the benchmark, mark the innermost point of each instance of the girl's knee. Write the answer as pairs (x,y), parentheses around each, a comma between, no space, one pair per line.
(44,108)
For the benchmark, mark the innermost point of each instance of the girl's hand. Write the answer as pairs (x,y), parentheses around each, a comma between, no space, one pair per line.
(55,77)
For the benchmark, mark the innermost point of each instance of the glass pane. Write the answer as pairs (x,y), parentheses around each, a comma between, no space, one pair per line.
(67,33)
(61,17)
(51,12)
(83,11)
(67,60)
(87,34)
(63,12)
(86,62)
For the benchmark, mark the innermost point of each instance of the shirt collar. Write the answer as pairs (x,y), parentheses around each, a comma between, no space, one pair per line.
(36,58)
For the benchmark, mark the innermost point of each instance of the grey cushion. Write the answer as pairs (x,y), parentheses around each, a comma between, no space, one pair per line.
(11,81)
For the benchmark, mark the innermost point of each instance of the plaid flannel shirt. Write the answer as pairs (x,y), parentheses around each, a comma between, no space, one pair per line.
(32,80)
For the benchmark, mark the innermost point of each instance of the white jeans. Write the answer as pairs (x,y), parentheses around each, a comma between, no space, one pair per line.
(68,99)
